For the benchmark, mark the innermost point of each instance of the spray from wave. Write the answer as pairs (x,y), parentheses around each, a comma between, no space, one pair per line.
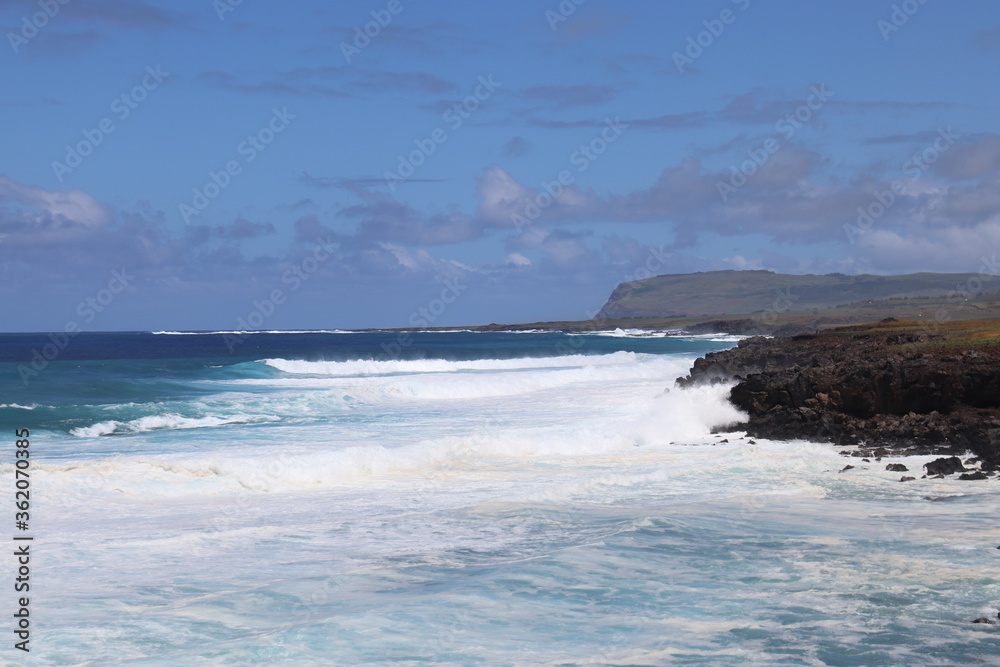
(677,416)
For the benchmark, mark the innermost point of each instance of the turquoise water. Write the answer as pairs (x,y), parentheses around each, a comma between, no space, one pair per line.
(467,498)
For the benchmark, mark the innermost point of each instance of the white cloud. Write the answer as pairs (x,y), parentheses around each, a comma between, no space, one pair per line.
(501,196)
(33,215)
(953,248)
(742,263)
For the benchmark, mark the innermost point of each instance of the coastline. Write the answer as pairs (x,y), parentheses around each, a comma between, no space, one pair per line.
(887,387)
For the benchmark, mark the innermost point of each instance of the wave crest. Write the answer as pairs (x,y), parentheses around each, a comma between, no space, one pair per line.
(401,366)
(170,421)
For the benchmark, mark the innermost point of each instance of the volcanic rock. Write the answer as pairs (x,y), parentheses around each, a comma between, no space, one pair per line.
(945,466)
(858,386)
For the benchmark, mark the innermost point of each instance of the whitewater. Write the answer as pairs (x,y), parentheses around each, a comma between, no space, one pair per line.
(479,498)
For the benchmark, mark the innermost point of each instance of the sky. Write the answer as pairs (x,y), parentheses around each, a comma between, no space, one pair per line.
(228,164)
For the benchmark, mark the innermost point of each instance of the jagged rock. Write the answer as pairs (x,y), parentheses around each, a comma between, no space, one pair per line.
(904,478)
(897,467)
(988,621)
(945,466)
(974,476)
(846,468)
(858,387)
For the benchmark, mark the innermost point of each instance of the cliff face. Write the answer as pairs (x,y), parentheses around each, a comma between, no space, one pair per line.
(744,292)
(864,387)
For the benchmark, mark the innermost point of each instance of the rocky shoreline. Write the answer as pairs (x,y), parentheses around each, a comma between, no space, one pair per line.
(881,389)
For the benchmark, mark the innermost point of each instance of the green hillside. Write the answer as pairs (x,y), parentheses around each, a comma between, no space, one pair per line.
(744,292)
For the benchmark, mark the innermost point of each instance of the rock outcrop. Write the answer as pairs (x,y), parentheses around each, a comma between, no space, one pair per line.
(862,387)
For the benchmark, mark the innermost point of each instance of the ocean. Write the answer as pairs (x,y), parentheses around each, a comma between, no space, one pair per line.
(459,498)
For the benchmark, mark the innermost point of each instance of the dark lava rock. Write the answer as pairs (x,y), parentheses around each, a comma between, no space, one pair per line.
(988,621)
(974,475)
(845,468)
(859,387)
(737,327)
(897,467)
(904,478)
(945,466)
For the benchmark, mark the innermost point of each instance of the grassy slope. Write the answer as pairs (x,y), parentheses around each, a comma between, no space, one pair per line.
(742,292)
(945,337)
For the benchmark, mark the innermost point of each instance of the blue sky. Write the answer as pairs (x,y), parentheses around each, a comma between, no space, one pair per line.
(274,166)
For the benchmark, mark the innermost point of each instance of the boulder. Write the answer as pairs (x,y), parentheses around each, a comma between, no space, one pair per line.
(945,466)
